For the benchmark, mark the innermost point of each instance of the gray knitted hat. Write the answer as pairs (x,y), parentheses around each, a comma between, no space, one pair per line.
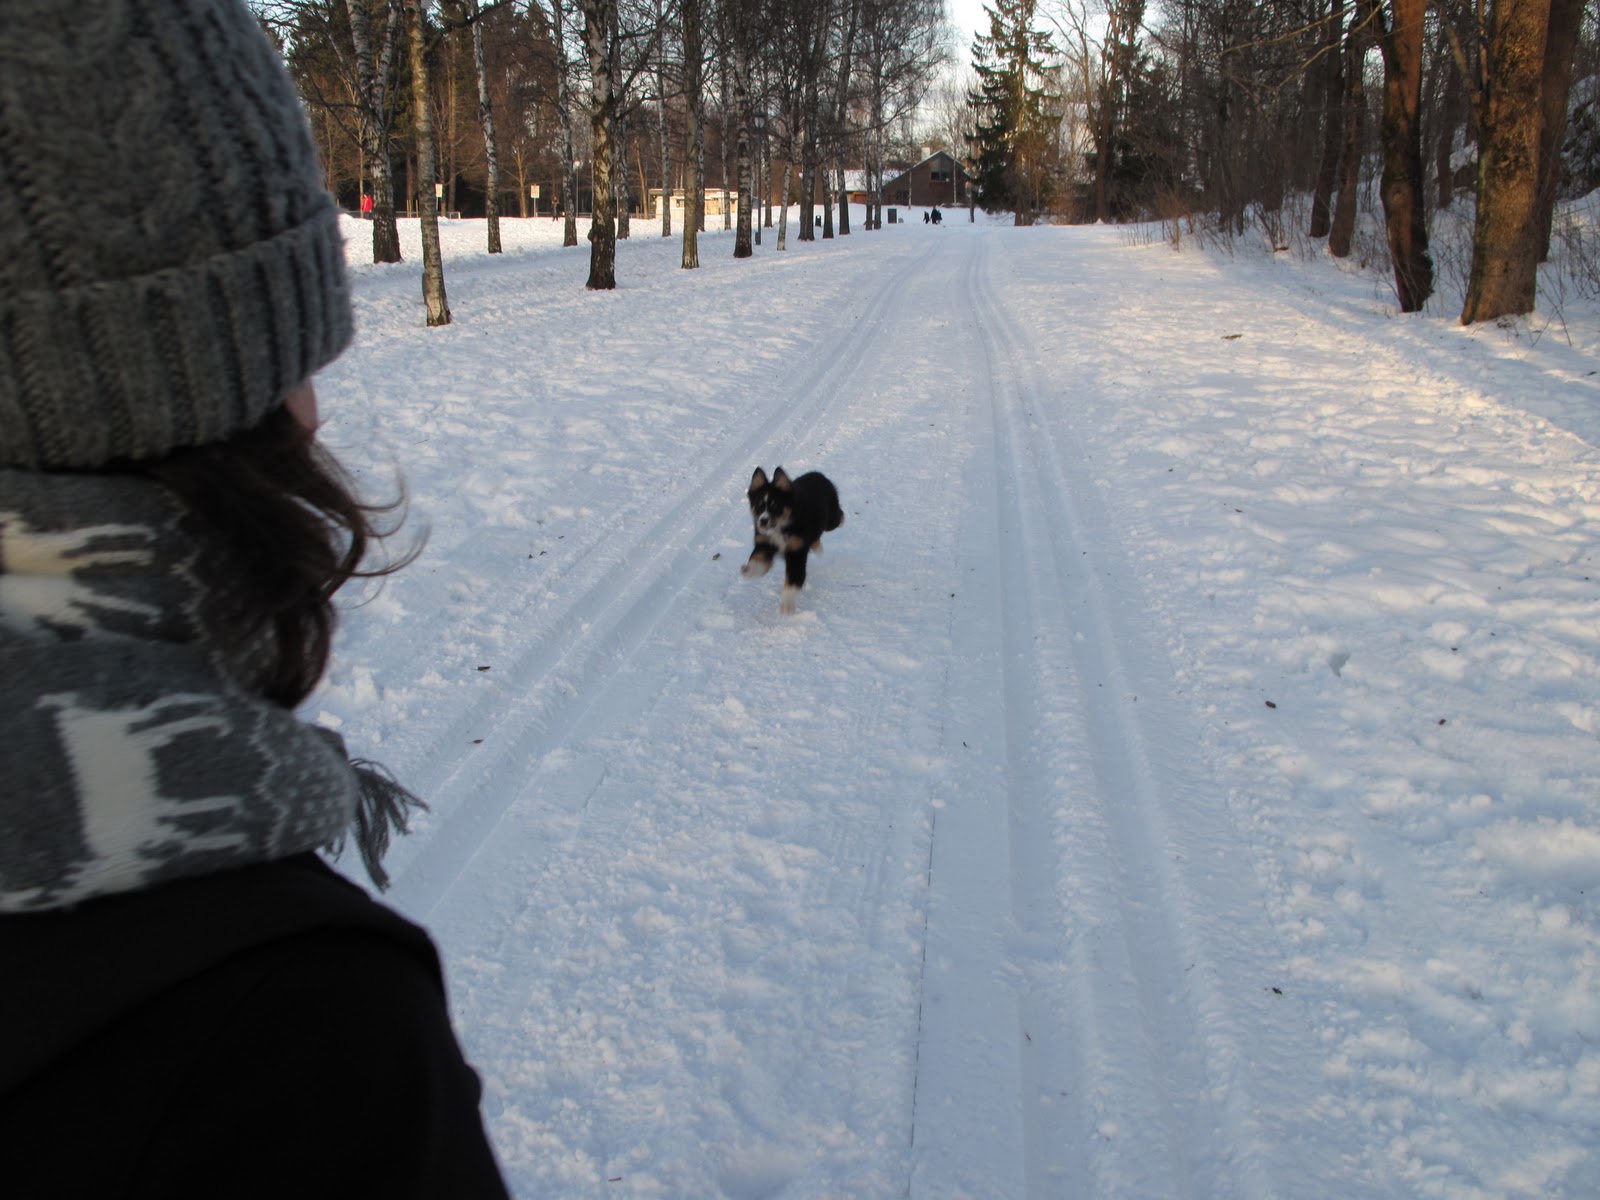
(170,263)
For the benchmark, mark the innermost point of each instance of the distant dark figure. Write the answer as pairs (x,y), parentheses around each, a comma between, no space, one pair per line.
(924,218)
(937,216)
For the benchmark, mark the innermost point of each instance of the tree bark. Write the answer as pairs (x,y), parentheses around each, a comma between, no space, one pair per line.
(564,102)
(1449,120)
(372,78)
(597,25)
(623,202)
(1561,45)
(694,203)
(741,104)
(1332,124)
(1404,202)
(1505,241)
(433,293)
(1342,229)
(666,157)
(491,156)
(783,208)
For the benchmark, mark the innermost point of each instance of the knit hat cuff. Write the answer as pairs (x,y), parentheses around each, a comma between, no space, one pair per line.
(134,368)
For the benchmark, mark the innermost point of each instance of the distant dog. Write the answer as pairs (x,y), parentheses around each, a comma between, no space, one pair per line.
(790,515)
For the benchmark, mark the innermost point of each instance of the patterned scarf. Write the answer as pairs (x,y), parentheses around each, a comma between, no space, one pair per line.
(135,748)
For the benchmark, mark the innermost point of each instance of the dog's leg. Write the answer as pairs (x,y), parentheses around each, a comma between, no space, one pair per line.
(794,575)
(760,561)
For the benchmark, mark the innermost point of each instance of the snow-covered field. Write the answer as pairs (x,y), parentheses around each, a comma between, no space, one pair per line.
(1182,778)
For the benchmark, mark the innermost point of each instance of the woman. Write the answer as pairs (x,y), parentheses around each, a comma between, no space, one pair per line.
(192,1003)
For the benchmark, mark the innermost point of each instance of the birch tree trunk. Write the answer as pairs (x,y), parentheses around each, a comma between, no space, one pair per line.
(491,156)
(597,25)
(725,103)
(783,204)
(564,102)
(619,139)
(432,262)
(620,175)
(741,105)
(808,176)
(694,149)
(373,80)
(666,156)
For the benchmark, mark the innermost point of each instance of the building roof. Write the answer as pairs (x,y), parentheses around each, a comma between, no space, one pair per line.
(888,179)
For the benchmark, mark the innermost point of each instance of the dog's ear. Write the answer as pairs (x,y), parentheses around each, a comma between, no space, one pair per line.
(780,480)
(759,479)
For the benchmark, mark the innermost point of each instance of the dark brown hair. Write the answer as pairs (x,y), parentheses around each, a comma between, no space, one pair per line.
(297,532)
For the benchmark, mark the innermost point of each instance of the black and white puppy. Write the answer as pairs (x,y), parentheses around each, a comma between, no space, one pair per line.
(790,515)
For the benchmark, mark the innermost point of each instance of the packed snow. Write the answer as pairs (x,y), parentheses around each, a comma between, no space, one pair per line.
(1181,778)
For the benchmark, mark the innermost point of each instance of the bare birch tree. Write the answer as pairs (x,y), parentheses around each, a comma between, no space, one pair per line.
(694,140)
(597,26)
(433,292)
(564,112)
(376,119)
(491,155)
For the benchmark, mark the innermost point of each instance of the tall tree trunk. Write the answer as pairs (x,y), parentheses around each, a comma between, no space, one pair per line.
(1404,202)
(445,147)
(727,116)
(808,185)
(783,206)
(694,202)
(875,137)
(1449,120)
(373,79)
(597,26)
(844,198)
(827,196)
(1561,45)
(432,262)
(619,140)
(564,103)
(666,156)
(1332,124)
(1342,229)
(1505,240)
(491,156)
(741,105)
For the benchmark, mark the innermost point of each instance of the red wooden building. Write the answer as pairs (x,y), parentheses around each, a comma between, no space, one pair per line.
(938,179)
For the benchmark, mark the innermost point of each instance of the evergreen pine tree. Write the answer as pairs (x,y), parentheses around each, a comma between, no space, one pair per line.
(1012,146)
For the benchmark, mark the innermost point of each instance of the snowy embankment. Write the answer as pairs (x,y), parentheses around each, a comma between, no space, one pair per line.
(1182,777)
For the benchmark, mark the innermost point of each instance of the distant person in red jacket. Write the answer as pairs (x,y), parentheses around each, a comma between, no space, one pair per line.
(366,205)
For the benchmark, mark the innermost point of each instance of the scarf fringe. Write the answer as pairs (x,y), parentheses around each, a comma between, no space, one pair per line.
(382,810)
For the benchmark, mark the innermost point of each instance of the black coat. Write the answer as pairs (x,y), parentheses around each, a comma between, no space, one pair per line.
(266,1031)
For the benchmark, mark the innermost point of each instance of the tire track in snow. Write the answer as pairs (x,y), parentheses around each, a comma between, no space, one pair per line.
(629,580)
(1057,854)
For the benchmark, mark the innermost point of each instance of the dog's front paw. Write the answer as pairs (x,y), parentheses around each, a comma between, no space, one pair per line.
(786,605)
(756,568)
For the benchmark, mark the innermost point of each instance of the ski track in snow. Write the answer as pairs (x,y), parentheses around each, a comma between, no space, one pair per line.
(985,875)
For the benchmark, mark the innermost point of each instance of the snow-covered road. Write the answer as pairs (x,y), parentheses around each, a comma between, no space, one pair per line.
(1179,780)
